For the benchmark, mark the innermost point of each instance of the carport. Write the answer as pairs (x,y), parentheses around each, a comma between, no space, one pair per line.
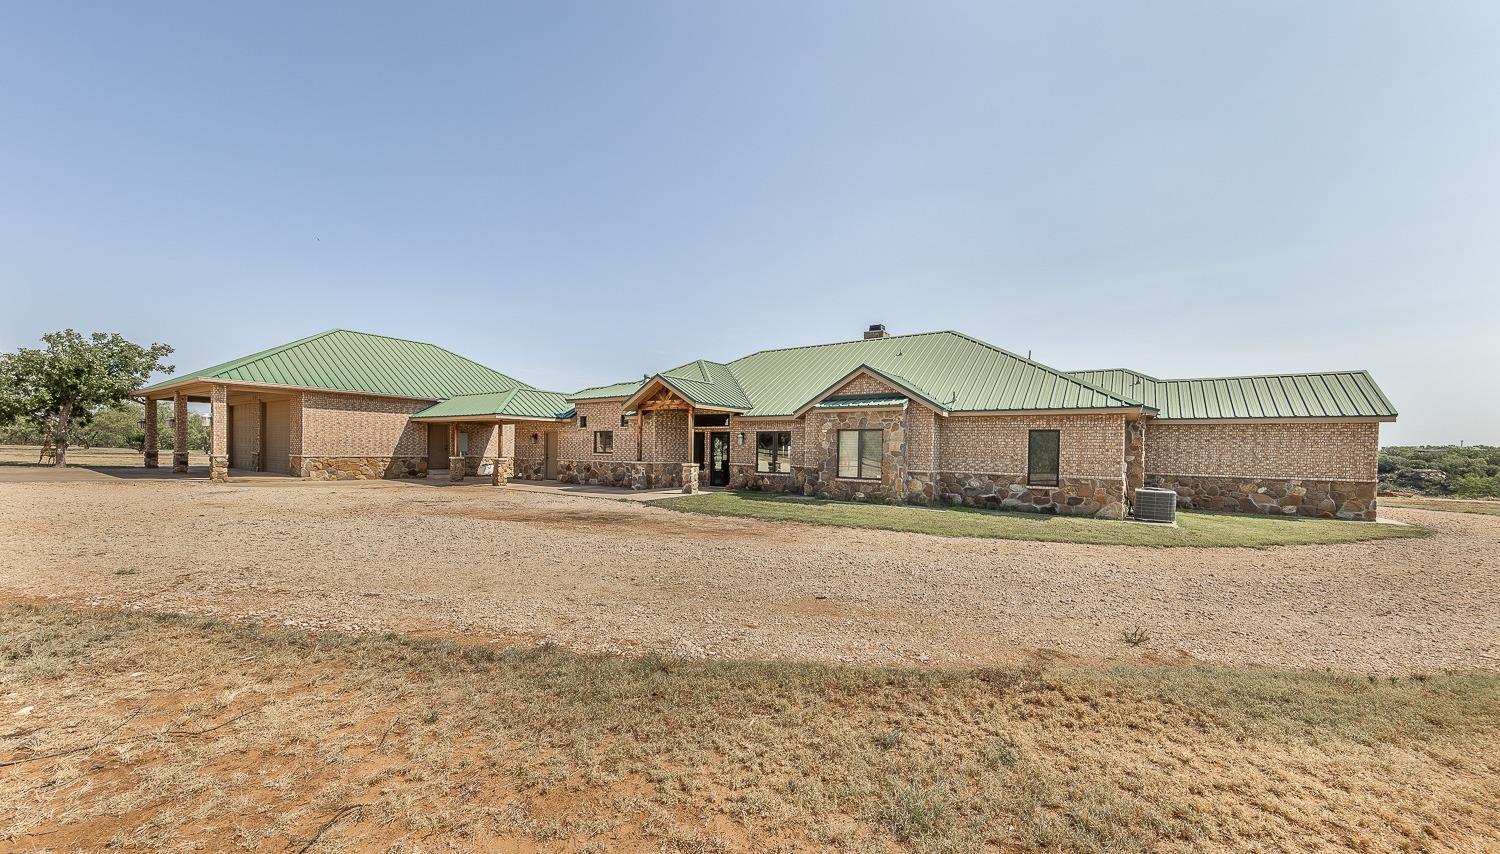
(250,427)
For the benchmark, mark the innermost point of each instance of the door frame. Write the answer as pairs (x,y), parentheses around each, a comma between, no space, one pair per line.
(719,477)
(549,455)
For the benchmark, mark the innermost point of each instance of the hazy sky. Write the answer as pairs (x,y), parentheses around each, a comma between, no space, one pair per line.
(581,193)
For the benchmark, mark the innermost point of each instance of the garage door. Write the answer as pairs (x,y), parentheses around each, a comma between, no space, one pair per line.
(278,435)
(242,438)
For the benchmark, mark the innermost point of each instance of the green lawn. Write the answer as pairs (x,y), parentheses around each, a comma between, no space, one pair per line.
(1193,529)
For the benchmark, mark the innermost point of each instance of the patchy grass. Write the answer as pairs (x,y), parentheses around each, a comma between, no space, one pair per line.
(152,732)
(1193,529)
(1451,505)
(26,455)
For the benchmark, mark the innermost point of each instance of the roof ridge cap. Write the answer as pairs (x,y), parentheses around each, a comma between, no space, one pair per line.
(841,343)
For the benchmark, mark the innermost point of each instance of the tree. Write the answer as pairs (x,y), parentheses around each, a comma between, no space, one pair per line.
(62,386)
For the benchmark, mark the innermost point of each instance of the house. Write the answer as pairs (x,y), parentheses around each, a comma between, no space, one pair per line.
(929,418)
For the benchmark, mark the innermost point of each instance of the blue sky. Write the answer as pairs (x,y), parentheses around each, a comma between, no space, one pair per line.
(581,193)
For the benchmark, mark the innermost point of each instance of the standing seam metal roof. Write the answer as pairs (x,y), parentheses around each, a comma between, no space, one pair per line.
(958,372)
(348,361)
(1330,394)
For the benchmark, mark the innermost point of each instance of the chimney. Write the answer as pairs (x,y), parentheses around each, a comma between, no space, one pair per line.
(876,330)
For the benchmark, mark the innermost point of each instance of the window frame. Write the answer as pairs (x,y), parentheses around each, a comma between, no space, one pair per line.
(611,435)
(583,421)
(1031,475)
(776,457)
(859,454)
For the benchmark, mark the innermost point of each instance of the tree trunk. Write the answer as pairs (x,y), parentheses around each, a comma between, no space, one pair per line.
(60,434)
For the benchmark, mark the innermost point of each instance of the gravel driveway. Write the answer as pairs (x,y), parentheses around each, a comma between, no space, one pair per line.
(598,574)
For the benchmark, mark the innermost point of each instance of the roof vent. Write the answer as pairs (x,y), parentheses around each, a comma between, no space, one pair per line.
(876,330)
(1156,505)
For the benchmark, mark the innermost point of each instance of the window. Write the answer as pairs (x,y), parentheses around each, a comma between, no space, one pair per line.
(773,452)
(604,441)
(583,421)
(463,444)
(624,419)
(1042,458)
(861,453)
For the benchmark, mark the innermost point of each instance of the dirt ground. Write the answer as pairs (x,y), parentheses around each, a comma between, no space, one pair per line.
(601,575)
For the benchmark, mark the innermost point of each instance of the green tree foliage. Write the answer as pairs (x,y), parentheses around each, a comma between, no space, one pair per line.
(61,388)
(1467,472)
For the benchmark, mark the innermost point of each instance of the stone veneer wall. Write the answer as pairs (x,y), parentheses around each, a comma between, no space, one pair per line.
(627,474)
(1323,470)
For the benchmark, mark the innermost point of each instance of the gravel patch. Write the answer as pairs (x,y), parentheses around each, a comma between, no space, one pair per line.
(602,575)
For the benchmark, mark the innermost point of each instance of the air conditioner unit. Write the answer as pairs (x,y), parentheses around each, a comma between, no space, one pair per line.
(1155,505)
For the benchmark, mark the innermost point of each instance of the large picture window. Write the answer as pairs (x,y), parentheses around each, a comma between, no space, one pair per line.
(1043,456)
(861,453)
(604,441)
(773,452)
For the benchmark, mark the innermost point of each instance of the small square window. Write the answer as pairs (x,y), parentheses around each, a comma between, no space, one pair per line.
(604,441)
(583,421)
(624,420)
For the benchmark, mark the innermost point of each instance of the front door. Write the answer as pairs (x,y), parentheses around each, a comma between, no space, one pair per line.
(551,450)
(718,459)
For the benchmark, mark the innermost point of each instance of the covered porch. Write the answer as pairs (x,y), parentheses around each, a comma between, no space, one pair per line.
(251,427)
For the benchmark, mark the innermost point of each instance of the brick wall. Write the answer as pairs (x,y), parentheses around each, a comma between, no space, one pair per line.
(577,443)
(745,454)
(346,425)
(665,436)
(865,384)
(528,450)
(1092,445)
(1326,451)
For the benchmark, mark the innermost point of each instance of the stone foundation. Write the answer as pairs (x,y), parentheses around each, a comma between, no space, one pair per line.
(1100,497)
(1103,498)
(627,475)
(218,468)
(530,470)
(358,468)
(1319,499)
(800,479)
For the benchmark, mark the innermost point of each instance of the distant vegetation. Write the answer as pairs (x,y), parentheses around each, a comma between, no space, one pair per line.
(1462,472)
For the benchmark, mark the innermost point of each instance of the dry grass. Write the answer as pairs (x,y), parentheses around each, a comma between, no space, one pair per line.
(154,732)
(1193,529)
(1488,507)
(26,455)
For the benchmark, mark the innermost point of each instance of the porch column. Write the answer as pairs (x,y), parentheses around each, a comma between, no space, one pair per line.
(179,433)
(455,460)
(149,446)
(218,448)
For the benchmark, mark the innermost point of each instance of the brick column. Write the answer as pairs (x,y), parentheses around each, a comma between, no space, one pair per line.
(149,447)
(218,457)
(179,433)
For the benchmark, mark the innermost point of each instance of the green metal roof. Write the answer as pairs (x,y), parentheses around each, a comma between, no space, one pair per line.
(1332,394)
(956,372)
(342,360)
(625,389)
(516,403)
(707,384)
(861,401)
